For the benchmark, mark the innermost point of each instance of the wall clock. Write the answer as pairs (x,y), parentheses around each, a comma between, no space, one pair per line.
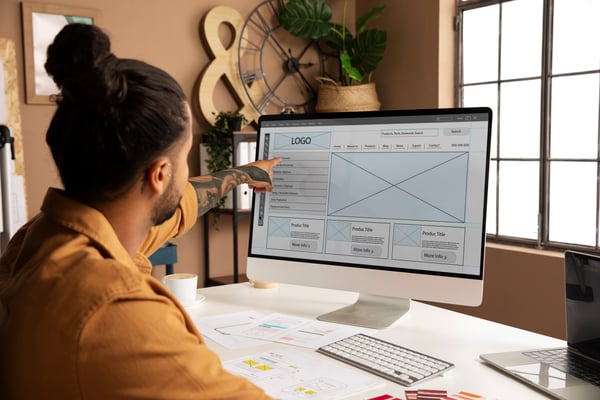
(277,70)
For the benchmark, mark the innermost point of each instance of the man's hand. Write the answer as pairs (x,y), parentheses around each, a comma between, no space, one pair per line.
(261,174)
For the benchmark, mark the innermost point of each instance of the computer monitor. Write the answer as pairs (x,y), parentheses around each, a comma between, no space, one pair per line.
(389,204)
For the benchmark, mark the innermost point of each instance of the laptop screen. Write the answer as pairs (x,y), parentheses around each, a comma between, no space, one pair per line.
(582,278)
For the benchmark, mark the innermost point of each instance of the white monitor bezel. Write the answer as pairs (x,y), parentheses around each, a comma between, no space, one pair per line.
(414,284)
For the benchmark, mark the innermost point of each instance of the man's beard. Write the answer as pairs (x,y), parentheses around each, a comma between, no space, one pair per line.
(166,205)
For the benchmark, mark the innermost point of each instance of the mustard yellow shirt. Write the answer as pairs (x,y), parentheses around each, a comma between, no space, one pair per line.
(82,320)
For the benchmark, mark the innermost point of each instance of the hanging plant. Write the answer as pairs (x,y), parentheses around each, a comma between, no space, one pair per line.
(218,145)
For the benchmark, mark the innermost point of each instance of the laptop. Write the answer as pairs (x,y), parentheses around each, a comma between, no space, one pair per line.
(557,371)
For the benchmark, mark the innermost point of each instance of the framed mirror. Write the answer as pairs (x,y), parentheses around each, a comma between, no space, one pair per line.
(41,23)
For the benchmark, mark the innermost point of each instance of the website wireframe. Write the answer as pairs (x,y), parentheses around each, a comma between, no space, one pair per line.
(401,195)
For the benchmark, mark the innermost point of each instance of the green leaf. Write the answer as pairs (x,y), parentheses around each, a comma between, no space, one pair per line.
(368,50)
(334,39)
(361,23)
(308,19)
(349,70)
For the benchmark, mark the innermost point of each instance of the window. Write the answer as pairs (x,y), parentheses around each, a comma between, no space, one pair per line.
(536,64)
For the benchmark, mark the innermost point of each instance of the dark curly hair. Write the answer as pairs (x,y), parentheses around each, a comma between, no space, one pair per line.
(114,115)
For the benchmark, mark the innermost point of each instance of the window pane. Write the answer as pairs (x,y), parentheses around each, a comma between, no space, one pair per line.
(518,200)
(576,33)
(573,202)
(508,80)
(480,44)
(520,119)
(484,96)
(490,222)
(521,39)
(574,116)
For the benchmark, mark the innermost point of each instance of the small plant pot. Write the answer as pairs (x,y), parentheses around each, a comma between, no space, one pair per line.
(234,123)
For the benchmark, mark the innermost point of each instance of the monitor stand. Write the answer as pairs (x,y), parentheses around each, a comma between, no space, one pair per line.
(369,311)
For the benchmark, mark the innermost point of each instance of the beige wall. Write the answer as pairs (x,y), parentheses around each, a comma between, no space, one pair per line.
(523,288)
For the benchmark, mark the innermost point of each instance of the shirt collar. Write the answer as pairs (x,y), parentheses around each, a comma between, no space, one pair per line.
(89,222)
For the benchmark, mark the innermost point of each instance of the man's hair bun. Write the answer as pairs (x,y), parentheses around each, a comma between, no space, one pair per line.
(115,116)
(83,67)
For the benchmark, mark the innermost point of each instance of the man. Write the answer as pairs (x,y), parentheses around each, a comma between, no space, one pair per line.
(80,315)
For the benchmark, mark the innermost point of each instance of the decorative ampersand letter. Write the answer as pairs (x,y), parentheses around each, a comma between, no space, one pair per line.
(223,65)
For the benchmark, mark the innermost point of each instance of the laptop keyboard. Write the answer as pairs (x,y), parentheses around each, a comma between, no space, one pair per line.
(388,360)
(568,362)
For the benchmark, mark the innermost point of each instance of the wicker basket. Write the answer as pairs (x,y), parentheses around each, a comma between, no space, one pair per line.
(333,98)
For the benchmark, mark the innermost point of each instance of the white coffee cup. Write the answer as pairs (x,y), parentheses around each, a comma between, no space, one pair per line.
(183,286)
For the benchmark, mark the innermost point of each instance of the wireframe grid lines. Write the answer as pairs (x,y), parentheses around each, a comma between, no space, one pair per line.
(403,186)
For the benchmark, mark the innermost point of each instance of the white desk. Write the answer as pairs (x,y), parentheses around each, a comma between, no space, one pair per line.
(448,335)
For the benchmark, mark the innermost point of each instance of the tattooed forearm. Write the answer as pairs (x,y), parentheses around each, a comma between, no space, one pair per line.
(212,188)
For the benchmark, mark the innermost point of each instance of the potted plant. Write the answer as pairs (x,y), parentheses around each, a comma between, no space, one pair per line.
(358,52)
(218,143)
(235,121)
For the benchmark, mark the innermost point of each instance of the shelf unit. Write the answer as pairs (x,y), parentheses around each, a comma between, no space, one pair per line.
(236,215)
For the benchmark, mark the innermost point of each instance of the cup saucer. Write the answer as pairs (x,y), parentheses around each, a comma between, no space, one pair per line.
(199,299)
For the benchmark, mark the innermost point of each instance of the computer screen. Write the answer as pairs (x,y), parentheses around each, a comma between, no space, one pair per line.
(388,204)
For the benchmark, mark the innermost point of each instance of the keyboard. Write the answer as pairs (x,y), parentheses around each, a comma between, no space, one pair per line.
(387,360)
(569,362)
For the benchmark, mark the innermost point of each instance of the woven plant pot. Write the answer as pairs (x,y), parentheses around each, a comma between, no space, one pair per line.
(335,98)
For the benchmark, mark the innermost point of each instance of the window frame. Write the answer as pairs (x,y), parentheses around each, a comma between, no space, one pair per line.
(542,241)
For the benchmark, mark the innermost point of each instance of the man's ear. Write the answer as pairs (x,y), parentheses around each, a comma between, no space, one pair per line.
(158,175)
